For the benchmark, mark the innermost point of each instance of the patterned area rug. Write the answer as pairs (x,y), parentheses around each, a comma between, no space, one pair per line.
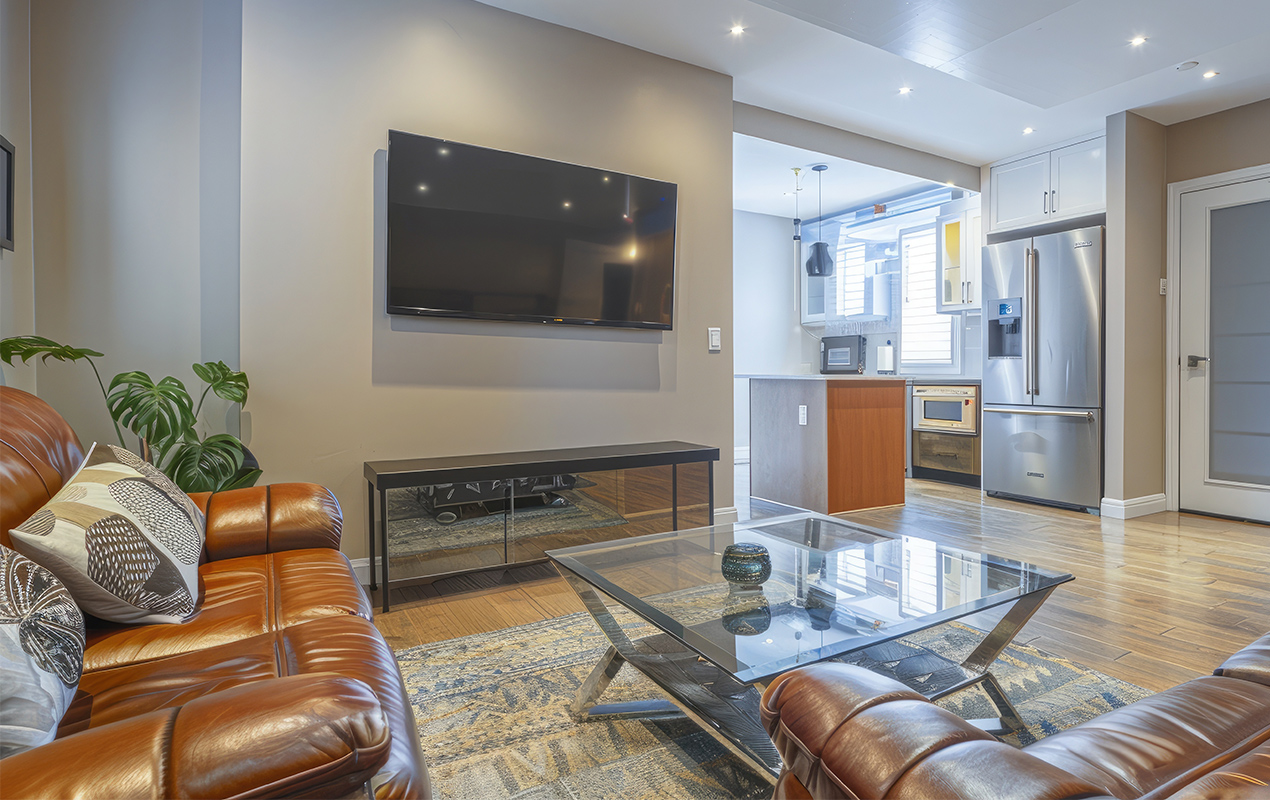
(493,723)
(411,529)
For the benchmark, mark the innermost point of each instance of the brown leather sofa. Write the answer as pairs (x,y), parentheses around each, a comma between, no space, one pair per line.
(278,686)
(845,732)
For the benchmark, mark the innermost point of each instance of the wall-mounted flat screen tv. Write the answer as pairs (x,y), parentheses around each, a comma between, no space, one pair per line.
(486,234)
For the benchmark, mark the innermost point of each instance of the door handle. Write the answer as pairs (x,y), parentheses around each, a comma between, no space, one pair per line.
(1045,202)
(1192,362)
(1054,201)
(1027,322)
(1032,313)
(1034,412)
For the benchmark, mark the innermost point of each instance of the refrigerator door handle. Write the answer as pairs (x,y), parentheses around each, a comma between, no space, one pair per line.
(1033,354)
(1027,323)
(1036,412)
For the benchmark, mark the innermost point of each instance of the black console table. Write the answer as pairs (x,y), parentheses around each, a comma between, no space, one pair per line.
(418,472)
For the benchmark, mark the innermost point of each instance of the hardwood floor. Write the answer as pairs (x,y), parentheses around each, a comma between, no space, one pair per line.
(1157,600)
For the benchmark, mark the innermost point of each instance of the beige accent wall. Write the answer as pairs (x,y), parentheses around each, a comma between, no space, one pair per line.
(115,108)
(17,274)
(777,127)
(1135,309)
(335,380)
(1228,140)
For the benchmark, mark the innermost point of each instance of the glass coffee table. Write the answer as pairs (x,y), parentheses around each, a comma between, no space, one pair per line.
(835,588)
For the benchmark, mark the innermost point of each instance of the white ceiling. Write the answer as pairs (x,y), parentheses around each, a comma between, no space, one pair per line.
(763,180)
(980,70)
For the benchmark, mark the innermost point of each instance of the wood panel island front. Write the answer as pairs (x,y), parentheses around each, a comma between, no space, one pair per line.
(828,443)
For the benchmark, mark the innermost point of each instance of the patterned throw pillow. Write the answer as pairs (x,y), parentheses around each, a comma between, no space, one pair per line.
(122,537)
(41,652)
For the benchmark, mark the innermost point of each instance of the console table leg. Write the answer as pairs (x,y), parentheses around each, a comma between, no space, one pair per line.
(370,530)
(674,497)
(710,470)
(383,538)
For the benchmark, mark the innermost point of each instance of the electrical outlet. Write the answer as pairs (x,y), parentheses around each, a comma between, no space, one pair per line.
(716,339)
(802,415)
(1164,286)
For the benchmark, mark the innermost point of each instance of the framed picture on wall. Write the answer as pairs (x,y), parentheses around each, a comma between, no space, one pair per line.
(7,167)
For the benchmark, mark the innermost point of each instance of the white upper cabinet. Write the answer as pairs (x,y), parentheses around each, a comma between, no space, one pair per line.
(958,258)
(1078,179)
(1060,184)
(1020,192)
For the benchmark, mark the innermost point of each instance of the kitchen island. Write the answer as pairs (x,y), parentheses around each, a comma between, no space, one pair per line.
(828,443)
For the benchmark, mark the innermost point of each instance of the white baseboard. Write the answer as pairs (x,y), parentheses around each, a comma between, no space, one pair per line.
(725,515)
(1133,507)
(742,455)
(361,566)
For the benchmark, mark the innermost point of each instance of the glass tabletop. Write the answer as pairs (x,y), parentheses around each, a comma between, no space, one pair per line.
(834,587)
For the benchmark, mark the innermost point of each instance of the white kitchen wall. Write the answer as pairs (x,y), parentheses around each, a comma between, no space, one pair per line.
(768,338)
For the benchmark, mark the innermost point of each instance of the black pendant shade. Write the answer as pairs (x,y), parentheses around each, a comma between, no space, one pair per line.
(820,263)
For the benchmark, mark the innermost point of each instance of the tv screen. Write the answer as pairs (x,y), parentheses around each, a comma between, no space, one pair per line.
(485,234)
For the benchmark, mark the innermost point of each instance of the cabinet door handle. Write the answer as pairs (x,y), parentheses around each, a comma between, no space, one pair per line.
(1054,200)
(1045,202)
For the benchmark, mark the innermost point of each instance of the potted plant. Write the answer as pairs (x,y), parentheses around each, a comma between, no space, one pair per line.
(163,416)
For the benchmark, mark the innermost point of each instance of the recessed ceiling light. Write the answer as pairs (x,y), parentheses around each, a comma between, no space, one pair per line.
(905,89)
(1138,40)
(606,178)
(1211,74)
(738,30)
(1185,65)
(423,187)
(1027,130)
(445,151)
(567,204)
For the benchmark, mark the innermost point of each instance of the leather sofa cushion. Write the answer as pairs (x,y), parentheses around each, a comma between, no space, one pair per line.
(242,597)
(38,453)
(345,645)
(1250,664)
(1165,739)
(1246,777)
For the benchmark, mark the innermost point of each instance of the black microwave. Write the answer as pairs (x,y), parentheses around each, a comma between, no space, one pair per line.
(842,354)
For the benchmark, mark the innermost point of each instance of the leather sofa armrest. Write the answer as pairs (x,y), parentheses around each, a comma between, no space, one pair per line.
(270,519)
(846,732)
(1250,664)
(315,735)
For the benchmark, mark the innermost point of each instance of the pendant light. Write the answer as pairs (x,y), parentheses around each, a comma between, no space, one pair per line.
(820,263)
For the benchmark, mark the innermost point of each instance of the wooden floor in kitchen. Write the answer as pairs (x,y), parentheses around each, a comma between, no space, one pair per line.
(1157,600)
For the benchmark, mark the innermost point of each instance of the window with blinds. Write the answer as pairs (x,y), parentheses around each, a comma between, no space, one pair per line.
(850,277)
(925,336)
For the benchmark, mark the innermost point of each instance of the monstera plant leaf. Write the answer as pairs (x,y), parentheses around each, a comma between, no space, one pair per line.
(161,413)
(209,465)
(27,347)
(224,381)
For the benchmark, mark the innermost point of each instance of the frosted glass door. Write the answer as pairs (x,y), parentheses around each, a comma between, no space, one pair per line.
(1225,356)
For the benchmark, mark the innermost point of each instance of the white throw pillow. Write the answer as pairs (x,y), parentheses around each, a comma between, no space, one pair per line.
(41,652)
(122,537)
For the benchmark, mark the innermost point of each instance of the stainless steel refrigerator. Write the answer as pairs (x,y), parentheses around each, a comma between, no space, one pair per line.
(1042,372)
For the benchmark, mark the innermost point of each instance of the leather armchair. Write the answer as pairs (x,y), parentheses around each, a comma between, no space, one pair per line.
(845,732)
(279,685)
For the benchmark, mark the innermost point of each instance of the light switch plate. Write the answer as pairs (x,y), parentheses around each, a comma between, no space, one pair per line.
(716,339)
(1164,285)
(802,415)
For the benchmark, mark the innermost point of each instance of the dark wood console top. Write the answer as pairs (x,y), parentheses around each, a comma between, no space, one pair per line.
(400,473)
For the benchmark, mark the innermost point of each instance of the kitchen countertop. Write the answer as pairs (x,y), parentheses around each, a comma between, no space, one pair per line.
(818,377)
(940,381)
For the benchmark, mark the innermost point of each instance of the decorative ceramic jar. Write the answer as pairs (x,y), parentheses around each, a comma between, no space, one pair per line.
(747,564)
